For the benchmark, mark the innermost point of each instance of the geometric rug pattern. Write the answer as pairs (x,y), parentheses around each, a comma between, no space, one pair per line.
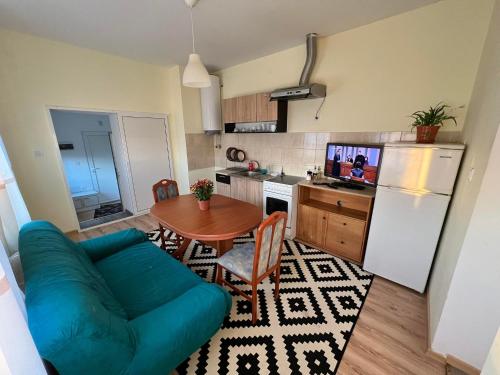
(305,331)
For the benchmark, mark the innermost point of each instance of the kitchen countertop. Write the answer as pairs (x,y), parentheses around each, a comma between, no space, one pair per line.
(241,174)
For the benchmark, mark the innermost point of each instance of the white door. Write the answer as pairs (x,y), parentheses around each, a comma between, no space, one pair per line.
(148,155)
(404,232)
(101,162)
(420,168)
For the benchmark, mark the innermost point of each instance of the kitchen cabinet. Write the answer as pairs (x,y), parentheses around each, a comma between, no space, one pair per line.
(243,189)
(255,108)
(223,189)
(246,108)
(344,235)
(239,188)
(335,221)
(254,192)
(311,226)
(229,110)
(266,110)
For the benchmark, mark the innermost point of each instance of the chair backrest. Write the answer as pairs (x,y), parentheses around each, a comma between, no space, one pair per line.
(269,243)
(165,189)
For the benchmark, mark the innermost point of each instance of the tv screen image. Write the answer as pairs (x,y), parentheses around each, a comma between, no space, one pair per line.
(353,163)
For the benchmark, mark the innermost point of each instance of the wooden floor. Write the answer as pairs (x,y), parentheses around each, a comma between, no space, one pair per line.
(390,334)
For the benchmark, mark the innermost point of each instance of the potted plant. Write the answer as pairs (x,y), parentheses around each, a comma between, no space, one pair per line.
(428,122)
(203,190)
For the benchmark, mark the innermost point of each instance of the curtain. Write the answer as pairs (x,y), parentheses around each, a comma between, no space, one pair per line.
(13,214)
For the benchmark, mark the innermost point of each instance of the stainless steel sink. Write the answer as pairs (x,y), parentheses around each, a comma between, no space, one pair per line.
(249,173)
(254,175)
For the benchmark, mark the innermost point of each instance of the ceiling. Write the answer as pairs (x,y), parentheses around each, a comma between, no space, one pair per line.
(227,32)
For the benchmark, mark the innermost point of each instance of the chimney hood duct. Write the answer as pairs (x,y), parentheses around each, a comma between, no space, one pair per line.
(304,90)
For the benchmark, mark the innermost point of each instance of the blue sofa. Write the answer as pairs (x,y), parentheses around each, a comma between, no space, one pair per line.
(116,304)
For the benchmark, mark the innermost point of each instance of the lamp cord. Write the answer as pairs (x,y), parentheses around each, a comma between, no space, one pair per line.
(192,26)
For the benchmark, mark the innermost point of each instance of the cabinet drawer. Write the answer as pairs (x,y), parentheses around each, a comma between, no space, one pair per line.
(344,236)
(351,201)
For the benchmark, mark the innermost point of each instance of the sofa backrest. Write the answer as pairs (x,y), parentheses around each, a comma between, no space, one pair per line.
(67,300)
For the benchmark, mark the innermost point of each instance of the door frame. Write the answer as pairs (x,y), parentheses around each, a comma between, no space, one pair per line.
(126,189)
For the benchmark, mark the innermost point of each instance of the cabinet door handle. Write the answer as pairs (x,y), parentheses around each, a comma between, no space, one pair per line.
(342,242)
(344,223)
(339,203)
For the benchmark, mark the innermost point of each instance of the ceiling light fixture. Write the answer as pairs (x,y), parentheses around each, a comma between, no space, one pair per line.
(195,73)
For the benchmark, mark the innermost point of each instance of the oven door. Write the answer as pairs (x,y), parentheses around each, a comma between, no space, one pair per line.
(278,202)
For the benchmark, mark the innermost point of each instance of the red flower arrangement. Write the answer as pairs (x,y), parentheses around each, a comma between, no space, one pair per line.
(202,189)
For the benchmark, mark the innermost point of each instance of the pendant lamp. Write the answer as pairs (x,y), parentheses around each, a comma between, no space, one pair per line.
(195,73)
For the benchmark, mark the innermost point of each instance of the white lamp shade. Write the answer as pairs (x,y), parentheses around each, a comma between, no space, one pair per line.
(195,73)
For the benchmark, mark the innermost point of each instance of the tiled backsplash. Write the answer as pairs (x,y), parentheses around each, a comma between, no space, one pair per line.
(297,152)
(200,151)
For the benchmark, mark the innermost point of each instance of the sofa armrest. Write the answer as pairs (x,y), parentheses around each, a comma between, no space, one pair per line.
(168,335)
(104,246)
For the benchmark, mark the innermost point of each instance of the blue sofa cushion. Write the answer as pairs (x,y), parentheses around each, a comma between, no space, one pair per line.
(142,278)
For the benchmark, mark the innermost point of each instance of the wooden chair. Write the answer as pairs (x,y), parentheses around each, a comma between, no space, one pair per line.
(162,190)
(254,262)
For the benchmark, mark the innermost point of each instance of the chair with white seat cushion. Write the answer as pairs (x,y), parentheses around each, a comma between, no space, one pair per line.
(253,262)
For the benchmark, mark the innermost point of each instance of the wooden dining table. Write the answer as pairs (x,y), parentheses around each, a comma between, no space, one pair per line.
(226,219)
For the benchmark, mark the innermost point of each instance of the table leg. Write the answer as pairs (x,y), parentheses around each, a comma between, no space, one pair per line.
(223,246)
(179,253)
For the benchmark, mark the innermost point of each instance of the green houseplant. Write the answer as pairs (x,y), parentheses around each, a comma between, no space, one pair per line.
(428,122)
(203,190)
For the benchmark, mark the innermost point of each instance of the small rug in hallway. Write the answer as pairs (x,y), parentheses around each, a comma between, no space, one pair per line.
(304,332)
(108,209)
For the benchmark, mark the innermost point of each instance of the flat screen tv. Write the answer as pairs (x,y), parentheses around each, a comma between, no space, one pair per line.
(353,163)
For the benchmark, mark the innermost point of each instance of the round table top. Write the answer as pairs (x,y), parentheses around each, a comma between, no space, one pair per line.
(227,218)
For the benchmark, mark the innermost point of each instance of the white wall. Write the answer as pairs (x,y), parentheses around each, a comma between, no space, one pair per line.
(479,133)
(471,315)
(69,128)
(377,74)
(36,73)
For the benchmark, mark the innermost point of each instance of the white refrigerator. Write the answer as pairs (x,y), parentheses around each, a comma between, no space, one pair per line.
(414,189)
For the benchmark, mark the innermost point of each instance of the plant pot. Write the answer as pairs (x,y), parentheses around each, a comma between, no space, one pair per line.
(427,134)
(204,205)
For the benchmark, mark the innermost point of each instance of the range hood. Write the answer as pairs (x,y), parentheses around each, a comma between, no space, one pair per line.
(304,90)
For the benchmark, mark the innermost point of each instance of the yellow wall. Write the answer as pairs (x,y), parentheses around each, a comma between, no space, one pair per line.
(36,73)
(377,74)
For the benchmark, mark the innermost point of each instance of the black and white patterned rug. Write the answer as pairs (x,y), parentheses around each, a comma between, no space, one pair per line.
(304,332)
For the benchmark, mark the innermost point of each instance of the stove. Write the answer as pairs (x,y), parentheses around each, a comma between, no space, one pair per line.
(280,194)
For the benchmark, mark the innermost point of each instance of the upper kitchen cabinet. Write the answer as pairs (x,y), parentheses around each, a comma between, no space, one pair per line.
(266,110)
(229,108)
(255,114)
(246,108)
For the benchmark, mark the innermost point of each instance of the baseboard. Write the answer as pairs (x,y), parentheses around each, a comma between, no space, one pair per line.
(436,356)
(445,359)
(461,365)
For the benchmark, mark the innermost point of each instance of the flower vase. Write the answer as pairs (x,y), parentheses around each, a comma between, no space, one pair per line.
(204,205)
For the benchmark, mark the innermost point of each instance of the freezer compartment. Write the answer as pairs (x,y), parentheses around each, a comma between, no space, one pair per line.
(420,168)
(404,232)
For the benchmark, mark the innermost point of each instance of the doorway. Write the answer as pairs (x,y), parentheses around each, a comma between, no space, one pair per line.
(86,145)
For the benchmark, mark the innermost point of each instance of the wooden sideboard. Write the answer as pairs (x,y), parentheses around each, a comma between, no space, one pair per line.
(334,220)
